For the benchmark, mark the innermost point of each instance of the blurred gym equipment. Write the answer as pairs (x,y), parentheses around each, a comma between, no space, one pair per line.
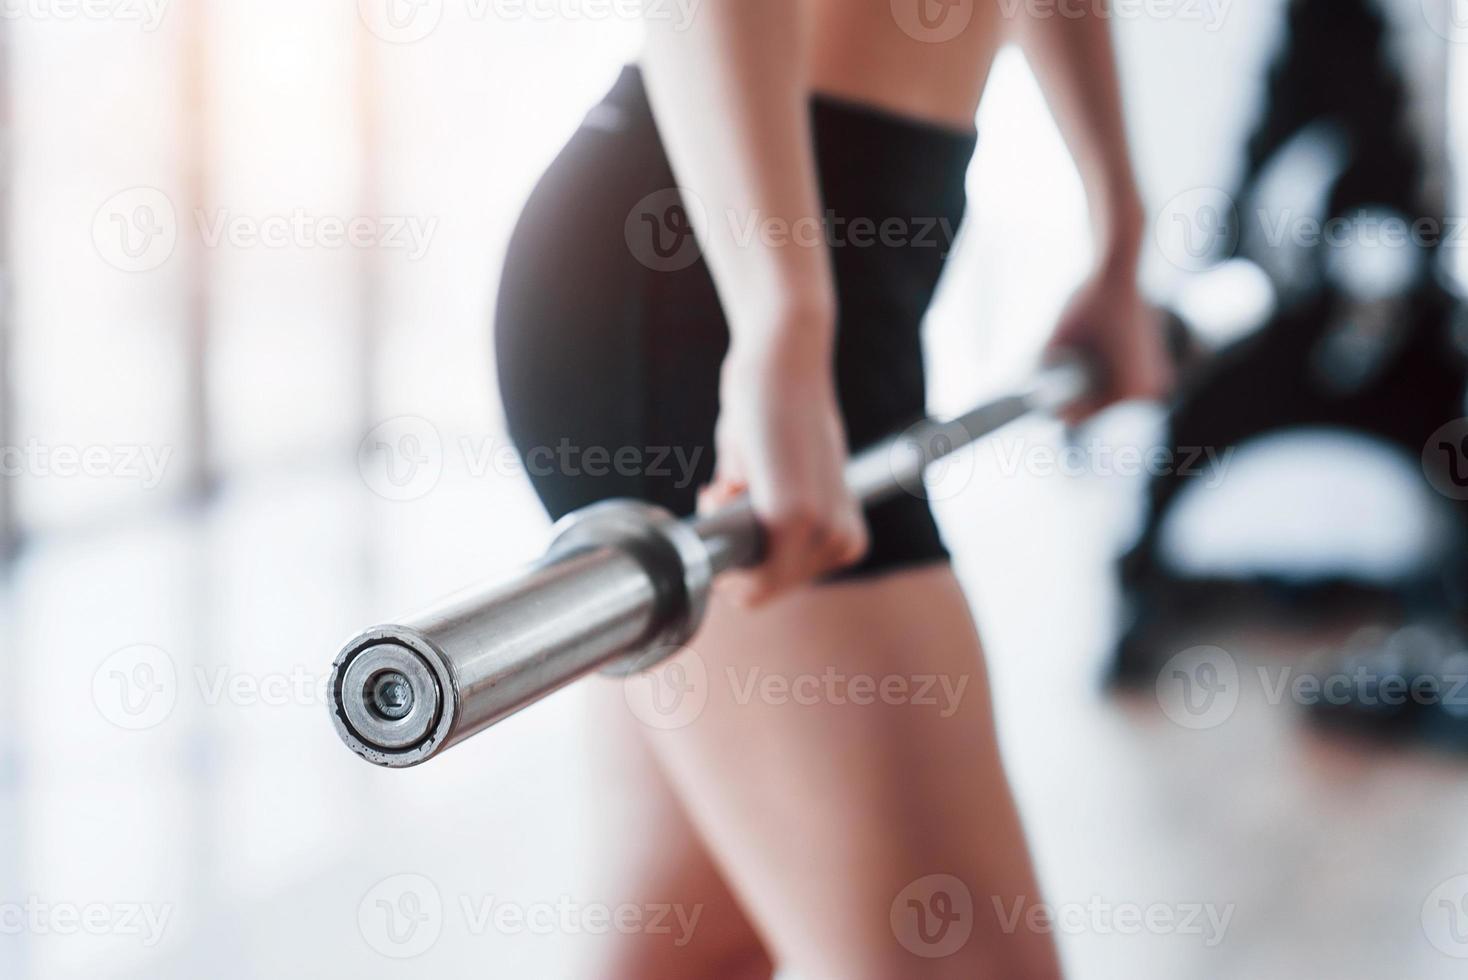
(1342,208)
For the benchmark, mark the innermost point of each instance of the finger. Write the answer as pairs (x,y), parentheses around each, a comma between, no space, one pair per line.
(825,548)
(793,559)
(1141,382)
(720,493)
(857,541)
(840,542)
(1079,412)
(799,549)
(750,588)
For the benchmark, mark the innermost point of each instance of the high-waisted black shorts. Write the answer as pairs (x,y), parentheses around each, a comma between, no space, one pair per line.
(610,335)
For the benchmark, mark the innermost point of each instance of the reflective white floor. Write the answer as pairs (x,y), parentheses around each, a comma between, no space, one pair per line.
(183,809)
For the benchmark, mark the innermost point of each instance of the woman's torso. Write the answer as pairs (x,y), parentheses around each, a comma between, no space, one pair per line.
(928,59)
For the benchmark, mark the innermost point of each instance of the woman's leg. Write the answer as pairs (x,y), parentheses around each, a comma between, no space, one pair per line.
(658,860)
(837,752)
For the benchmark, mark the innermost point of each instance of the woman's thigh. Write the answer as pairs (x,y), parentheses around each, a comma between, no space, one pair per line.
(837,752)
(657,863)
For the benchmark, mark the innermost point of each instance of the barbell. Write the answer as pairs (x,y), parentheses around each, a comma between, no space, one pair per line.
(623,585)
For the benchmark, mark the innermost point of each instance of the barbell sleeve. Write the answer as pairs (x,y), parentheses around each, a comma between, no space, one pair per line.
(623,585)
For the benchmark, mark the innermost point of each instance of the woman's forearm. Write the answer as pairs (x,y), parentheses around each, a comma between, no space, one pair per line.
(1073,57)
(731,97)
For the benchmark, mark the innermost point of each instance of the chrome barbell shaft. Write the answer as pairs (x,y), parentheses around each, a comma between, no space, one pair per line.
(623,585)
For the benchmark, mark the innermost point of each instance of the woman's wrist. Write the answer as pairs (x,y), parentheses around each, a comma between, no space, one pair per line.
(795,333)
(786,361)
(1119,223)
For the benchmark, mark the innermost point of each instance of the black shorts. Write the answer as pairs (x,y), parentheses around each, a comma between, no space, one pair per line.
(609,334)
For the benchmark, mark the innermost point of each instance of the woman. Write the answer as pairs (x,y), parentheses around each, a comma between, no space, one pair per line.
(809,143)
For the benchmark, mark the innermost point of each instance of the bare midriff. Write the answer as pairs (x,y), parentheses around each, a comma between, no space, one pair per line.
(926,59)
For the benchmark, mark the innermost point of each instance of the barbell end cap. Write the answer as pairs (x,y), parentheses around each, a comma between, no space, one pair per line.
(392,697)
